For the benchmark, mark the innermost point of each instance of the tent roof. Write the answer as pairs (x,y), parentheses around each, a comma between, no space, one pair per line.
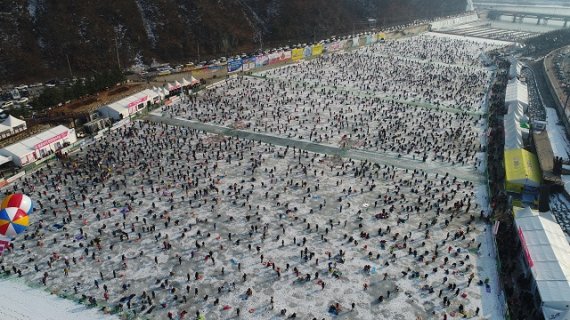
(516,108)
(513,135)
(516,92)
(4,128)
(13,122)
(549,252)
(18,149)
(27,146)
(4,159)
(522,166)
(123,104)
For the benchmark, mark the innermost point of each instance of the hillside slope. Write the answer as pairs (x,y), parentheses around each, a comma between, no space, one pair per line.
(39,37)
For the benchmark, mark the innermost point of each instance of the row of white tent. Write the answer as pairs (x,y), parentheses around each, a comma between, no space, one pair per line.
(547,255)
(135,103)
(515,122)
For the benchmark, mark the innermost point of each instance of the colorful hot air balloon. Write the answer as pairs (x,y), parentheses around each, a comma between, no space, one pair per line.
(18,200)
(13,221)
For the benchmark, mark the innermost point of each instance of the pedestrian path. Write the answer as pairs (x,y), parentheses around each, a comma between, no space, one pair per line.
(385,158)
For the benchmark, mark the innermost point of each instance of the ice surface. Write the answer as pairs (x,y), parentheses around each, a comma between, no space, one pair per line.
(20,302)
(146,212)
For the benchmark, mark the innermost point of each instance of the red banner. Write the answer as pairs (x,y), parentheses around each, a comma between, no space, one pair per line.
(51,140)
(525,249)
(137,102)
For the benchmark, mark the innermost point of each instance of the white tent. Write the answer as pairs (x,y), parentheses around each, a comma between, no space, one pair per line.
(129,105)
(11,125)
(4,159)
(518,109)
(5,130)
(174,86)
(159,92)
(517,92)
(513,132)
(33,148)
(191,82)
(14,122)
(548,256)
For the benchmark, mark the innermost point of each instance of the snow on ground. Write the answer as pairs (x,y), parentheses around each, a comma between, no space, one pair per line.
(281,203)
(152,219)
(494,42)
(557,135)
(20,302)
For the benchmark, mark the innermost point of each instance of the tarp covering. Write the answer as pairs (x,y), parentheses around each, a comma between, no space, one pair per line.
(548,255)
(522,170)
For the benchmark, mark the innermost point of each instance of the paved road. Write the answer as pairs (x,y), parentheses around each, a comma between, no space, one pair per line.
(463,173)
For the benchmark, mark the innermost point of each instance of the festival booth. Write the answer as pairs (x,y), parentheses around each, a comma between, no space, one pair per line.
(522,174)
(192,82)
(36,147)
(174,89)
(159,92)
(545,255)
(130,105)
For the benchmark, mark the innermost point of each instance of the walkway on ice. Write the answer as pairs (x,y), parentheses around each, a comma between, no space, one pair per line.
(461,172)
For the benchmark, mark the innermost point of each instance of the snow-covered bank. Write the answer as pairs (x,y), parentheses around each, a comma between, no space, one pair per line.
(20,302)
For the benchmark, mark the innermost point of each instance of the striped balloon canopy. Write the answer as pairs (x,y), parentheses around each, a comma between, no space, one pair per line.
(18,200)
(13,221)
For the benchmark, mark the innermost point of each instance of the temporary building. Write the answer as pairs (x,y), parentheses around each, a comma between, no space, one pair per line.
(174,86)
(516,127)
(4,159)
(517,92)
(513,132)
(516,108)
(546,254)
(11,125)
(129,105)
(522,171)
(36,147)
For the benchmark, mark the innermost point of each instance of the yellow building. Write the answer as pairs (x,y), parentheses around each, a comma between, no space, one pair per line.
(522,171)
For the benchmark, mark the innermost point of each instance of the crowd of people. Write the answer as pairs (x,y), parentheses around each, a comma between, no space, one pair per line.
(161,220)
(164,222)
(408,101)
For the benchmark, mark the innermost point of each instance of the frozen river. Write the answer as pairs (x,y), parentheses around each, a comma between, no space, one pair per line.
(290,200)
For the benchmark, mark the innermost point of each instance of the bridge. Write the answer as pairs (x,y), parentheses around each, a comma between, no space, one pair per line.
(519,16)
